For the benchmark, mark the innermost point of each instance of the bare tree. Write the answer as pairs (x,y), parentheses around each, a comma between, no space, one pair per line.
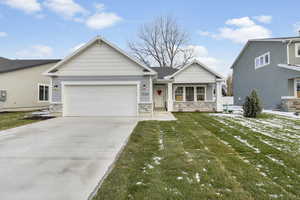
(229,85)
(162,43)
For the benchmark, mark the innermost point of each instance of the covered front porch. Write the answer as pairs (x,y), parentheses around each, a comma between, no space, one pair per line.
(292,103)
(187,97)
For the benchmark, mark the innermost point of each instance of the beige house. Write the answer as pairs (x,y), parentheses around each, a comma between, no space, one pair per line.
(22,84)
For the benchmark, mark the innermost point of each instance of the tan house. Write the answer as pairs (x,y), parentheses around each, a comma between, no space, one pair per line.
(22,84)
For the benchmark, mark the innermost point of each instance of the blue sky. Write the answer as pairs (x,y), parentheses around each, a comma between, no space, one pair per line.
(218,29)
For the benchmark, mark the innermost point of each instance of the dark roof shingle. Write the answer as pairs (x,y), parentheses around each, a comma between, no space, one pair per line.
(164,71)
(7,65)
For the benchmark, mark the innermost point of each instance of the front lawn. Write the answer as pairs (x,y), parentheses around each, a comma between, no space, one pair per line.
(14,119)
(207,156)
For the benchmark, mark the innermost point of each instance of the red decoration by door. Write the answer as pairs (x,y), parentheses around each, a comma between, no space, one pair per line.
(159,92)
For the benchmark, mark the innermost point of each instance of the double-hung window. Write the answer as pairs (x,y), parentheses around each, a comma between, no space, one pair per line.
(189,93)
(43,92)
(200,93)
(179,94)
(262,60)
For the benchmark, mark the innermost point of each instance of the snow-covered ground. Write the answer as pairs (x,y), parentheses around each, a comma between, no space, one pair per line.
(239,110)
(281,131)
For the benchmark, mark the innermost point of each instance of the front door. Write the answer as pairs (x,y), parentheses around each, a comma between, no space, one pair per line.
(159,96)
(298,88)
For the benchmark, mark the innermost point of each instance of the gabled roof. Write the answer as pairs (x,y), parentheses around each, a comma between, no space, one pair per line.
(52,70)
(279,39)
(198,63)
(8,65)
(164,71)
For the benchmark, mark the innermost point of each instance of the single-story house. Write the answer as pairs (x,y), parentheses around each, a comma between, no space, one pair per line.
(23,85)
(99,79)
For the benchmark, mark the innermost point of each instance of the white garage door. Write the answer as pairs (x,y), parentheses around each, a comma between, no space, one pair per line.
(100,100)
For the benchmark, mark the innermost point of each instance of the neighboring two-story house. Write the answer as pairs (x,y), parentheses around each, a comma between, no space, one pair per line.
(272,67)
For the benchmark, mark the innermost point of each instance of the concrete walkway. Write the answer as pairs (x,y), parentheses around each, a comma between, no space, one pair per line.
(59,159)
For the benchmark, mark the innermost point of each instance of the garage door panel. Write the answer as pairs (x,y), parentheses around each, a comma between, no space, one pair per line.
(100,100)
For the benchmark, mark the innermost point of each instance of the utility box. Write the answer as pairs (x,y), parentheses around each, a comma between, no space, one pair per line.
(3,95)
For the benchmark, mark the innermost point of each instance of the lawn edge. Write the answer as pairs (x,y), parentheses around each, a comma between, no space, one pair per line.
(111,166)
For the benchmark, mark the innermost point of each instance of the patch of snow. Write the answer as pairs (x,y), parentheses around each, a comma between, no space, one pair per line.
(157,160)
(150,166)
(247,144)
(280,162)
(197,176)
(139,183)
(285,114)
(275,196)
(179,178)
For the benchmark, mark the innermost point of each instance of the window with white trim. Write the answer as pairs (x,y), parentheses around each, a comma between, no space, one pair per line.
(200,93)
(43,92)
(262,60)
(297,49)
(189,93)
(179,94)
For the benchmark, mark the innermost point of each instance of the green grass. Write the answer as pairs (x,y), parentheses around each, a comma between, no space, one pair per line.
(200,156)
(14,119)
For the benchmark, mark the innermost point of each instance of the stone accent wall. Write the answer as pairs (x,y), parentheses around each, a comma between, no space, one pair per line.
(55,108)
(192,106)
(145,107)
(290,105)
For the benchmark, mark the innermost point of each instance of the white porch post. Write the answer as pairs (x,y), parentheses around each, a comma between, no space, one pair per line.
(170,97)
(219,103)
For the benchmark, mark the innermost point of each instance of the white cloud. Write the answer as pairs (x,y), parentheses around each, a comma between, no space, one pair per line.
(102,20)
(241,22)
(240,30)
(36,51)
(28,6)
(266,19)
(297,27)
(99,6)
(65,8)
(76,47)
(3,34)
(202,55)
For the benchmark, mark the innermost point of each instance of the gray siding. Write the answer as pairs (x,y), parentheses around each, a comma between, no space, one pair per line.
(144,91)
(270,81)
(292,54)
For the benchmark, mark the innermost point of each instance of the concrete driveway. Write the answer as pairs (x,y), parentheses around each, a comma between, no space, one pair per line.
(59,159)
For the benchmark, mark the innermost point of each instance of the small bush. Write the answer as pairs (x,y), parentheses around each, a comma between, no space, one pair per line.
(252,106)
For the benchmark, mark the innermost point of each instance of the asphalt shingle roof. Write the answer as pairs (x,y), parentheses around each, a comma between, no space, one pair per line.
(8,65)
(164,71)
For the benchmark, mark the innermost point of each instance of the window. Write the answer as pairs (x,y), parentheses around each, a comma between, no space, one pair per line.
(262,60)
(297,49)
(189,93)
(200,93)
(43,92)
(298,88)
(179,94)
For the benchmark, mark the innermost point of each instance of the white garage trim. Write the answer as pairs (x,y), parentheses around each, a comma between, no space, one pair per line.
(135,83)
